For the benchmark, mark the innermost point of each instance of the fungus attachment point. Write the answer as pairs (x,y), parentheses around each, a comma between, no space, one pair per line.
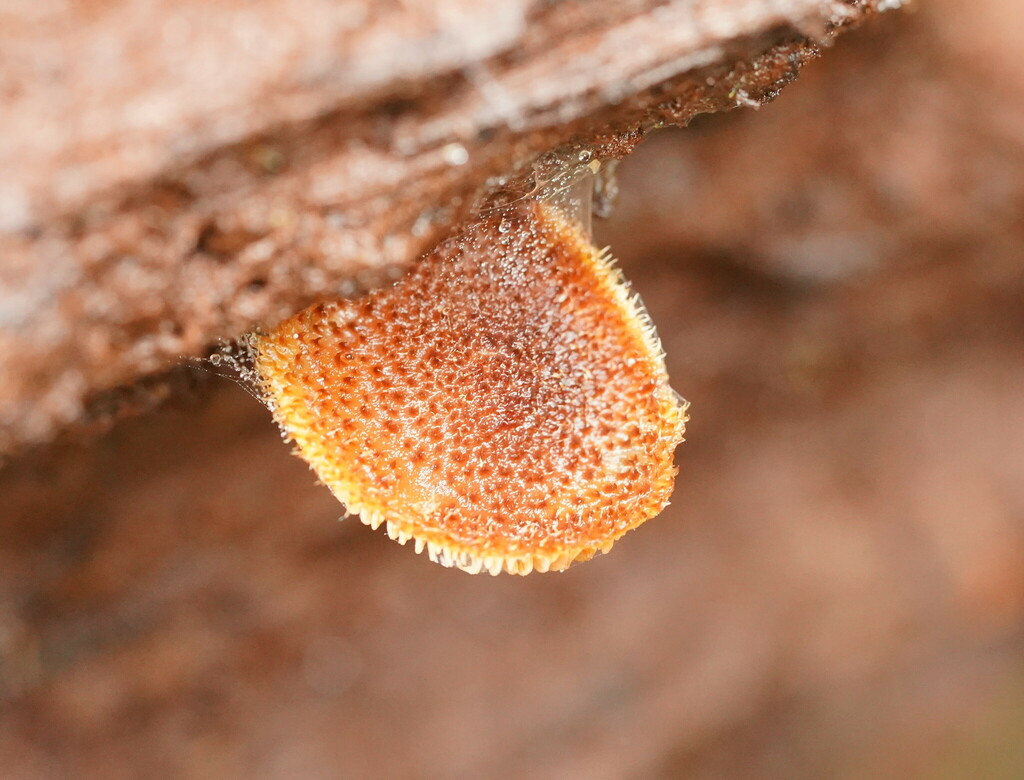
(505,405)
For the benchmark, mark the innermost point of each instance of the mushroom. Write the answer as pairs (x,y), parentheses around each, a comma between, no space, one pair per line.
(505,405)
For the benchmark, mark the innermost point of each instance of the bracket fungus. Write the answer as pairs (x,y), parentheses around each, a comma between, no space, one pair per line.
(505,405)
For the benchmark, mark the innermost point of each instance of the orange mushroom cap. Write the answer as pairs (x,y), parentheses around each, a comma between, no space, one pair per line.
(505,405)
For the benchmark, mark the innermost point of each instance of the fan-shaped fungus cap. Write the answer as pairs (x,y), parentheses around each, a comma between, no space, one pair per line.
(505,405)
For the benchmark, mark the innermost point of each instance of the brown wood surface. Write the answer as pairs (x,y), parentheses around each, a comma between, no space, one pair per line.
(177,172)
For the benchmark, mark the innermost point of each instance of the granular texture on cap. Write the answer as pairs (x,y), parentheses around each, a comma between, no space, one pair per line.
(505,405)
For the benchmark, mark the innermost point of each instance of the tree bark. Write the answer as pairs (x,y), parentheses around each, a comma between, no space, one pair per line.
(181,172)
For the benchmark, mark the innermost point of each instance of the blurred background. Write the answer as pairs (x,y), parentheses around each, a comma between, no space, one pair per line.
(837,590)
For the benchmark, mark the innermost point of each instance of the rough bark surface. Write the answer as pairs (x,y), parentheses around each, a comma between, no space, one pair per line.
(180,171)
